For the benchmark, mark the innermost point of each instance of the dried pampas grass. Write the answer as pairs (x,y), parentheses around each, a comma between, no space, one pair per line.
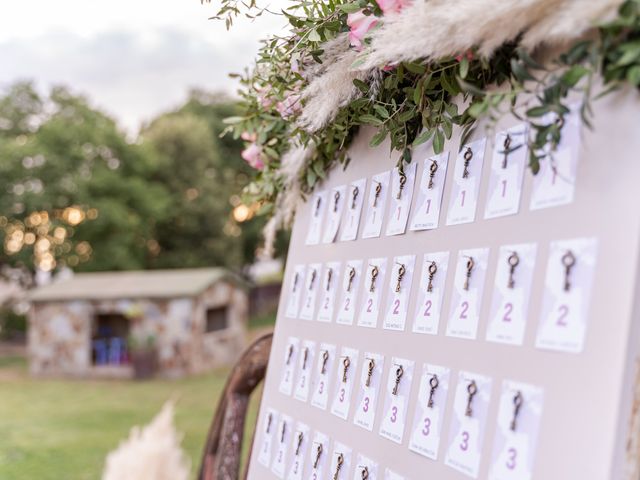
(150,453)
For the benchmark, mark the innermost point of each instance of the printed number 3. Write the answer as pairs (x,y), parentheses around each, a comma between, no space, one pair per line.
(464,445)
(394,414)
(511,463)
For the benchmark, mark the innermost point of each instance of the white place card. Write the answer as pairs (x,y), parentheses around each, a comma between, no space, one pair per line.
(372,288)
(323,369)
(430,411)
(351,279)
(426,215)
(337,200)
(555,183)
(402,183)
(432,286)
(269,425)
(565,306)
(296,286)
(319,456)
(340,461)
(468,423)
(353,210)
(305,368)
(466,183)
(511,293)
(328,288)
(376,205)
(283,437)
(310,292)
(318,208)
(290,357)
(344,381)
(466,298)
(398,297)
(507,172)
(370,380)
(396,399)
(365,468)
(391,475)
(299,443)
(516,438)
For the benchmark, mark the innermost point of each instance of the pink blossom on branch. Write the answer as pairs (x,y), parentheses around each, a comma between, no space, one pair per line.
(392,6)
(290,106)
(253,156)
(249,137)
(359,24)
(468,55)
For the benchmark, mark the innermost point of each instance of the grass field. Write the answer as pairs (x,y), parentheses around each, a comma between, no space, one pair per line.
(63,429)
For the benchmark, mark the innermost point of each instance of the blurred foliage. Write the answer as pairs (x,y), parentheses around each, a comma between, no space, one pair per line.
(13,326)
(74,190)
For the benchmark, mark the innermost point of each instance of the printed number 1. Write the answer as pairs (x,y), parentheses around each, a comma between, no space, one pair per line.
(463,194)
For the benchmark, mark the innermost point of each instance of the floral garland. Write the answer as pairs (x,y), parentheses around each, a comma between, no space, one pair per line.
(310,91)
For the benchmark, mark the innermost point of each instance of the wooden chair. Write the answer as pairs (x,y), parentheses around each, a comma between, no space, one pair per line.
(221,459)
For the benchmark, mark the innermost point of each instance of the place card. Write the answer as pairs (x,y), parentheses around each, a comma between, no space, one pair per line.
(507,172)
(318,207)
(516,438)
(430,411)
(310,292)
(269,424)
(365,468)
(466,183)
(396,399)
(353,210)
(372,288)
(466,298)
(340,461)
(402,183)
(511,293)
(391,475)
(323,368)
(328,287)
(351,278)
(295,291)
(290,357)
(565,306)
(337,200)
(376,204)
(345,378)
(399,292)
(370,380)
(468,423)
(432,285)
(299,444)
(428,205)
(284,433)
(305,367)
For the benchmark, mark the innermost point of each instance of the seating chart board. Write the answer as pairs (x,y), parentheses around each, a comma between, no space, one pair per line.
(462,318)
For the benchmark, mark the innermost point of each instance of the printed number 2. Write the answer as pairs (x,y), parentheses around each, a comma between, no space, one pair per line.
(563,311)
(508,308)
(463,311)
(369,305)
(396,306)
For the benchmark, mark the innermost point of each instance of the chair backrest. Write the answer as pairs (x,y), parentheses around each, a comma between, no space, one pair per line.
(222,453)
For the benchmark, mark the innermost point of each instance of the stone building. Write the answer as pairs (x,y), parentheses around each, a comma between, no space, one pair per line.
(94,323)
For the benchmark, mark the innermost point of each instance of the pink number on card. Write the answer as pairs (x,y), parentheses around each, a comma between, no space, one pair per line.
(504,188)
(427,427)
(394,414)
(396,306)
(428,205)
(369,305)
(464,445)
(326,303)
(346,304)
(427,309)
(321,388)
(508,308)
(399,210)
(463,311)
(463,194)
(563,310)
(365,405)
(342,392)
(511,462)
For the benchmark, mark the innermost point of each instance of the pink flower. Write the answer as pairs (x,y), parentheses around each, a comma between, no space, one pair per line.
(359,25)
(253,156)
(263,97)
(392,6)
(468,54)
(249,137)
(290,106)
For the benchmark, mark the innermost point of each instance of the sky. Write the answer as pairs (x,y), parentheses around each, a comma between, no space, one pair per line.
(132,58)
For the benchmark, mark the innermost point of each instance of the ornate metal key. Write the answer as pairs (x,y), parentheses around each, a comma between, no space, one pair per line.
(318,455)
(289,354)
(374,275)
(433,268)
(470,264)
(513,262)
(295,282)
(370,367)
(399,373)
(518,400)
(338,466)
(468,155)
(401,271)
(300,439)
(432,173)
(364,473)
(269,422)
(433,383)
(354,196)
(325,359)
(352,275)
(313,279)
(378,191)
(403,181)
(329,276)
(506,144)
(345,362)
(284,430)
(318,203)
(569,261)
(305,357)
(472,389)
(336,199)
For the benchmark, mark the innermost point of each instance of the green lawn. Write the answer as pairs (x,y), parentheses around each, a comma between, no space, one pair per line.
(63,429)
